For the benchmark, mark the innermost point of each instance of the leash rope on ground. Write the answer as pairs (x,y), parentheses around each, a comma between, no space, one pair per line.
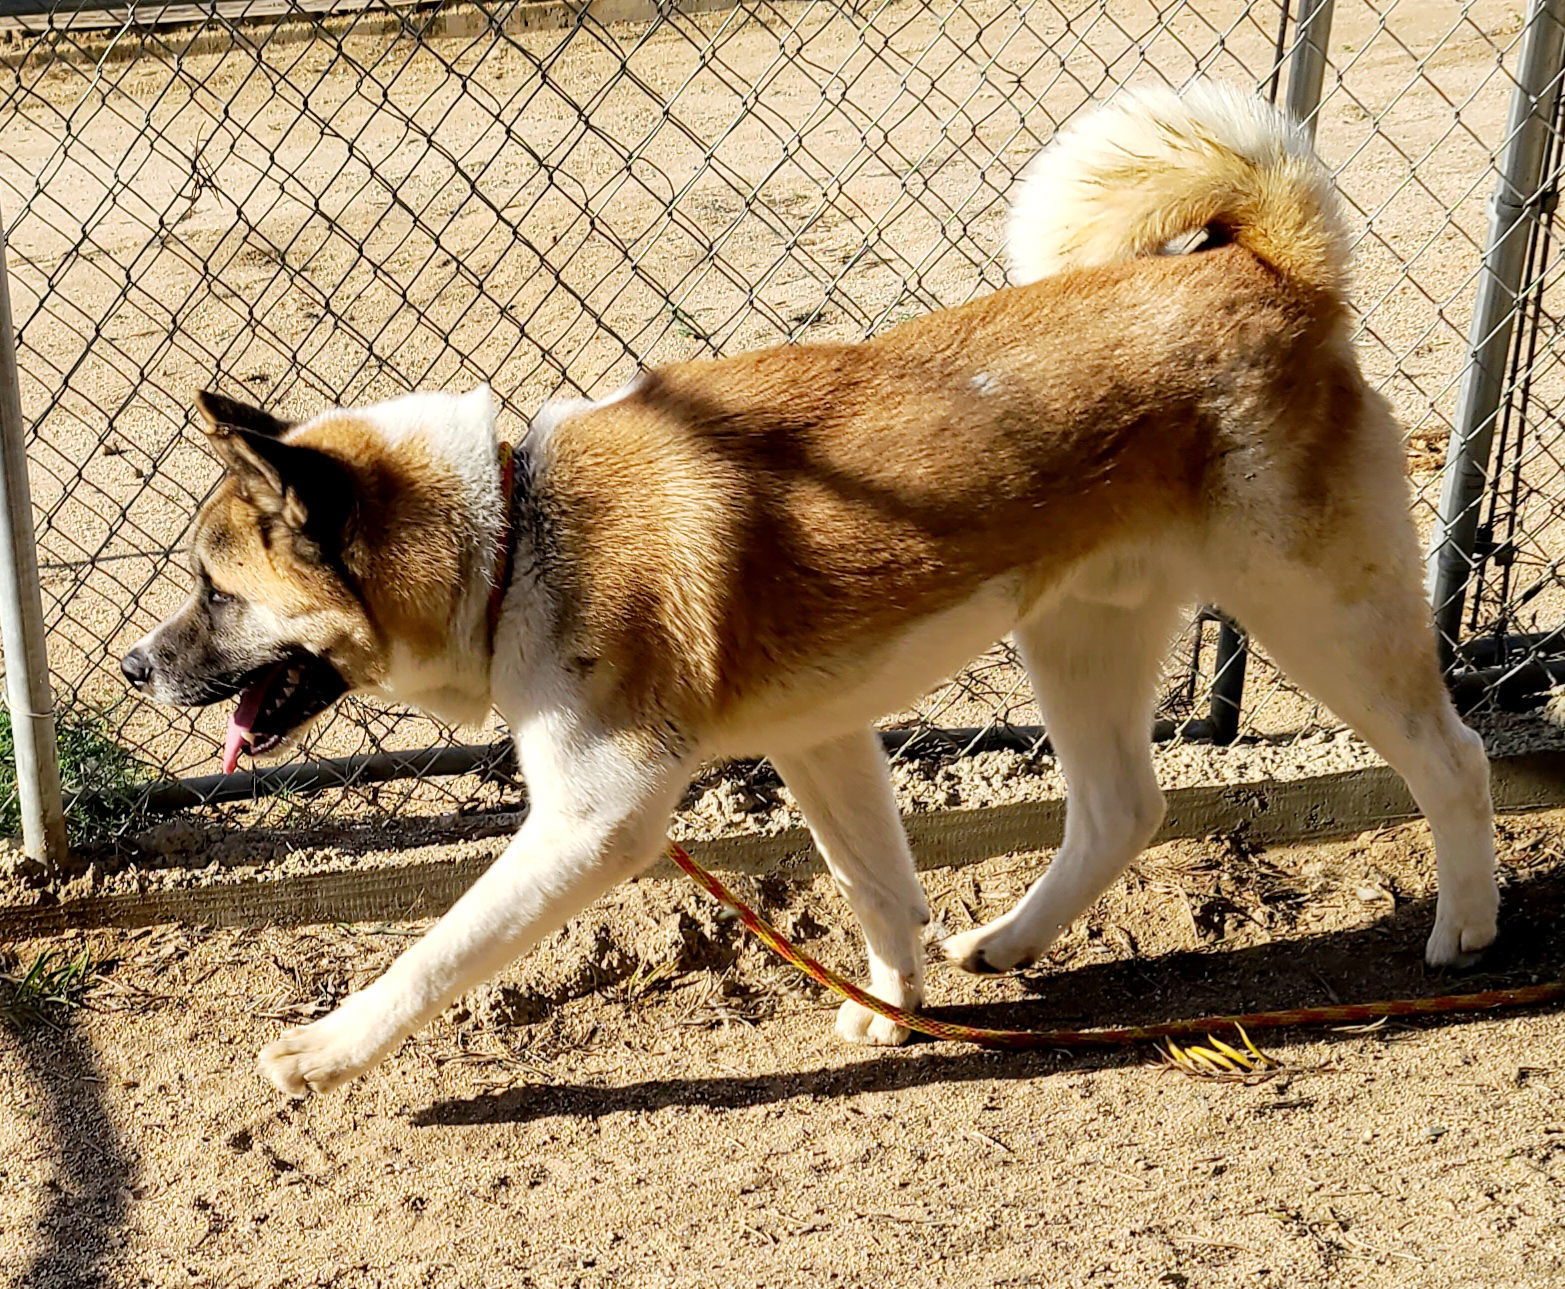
(1288,1017)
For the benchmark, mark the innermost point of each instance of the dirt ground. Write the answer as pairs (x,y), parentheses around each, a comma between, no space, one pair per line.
(651,1101)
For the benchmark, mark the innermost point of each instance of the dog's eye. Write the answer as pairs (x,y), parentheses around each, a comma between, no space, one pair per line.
(216,598)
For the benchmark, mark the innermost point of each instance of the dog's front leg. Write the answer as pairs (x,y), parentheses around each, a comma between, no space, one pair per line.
(604,829)
(844,789)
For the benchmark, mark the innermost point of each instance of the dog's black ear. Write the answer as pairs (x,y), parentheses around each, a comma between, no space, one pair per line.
(304,489)
(307,491)
(221,412)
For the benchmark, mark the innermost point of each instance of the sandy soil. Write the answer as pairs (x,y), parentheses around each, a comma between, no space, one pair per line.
(650,1101)
(348,218)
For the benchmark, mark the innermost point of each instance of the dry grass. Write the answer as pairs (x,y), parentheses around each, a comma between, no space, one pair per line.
(55,984)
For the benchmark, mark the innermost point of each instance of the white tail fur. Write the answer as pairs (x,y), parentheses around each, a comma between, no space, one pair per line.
(1125,179)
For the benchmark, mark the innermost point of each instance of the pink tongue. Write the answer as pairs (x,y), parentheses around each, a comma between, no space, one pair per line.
(243,720)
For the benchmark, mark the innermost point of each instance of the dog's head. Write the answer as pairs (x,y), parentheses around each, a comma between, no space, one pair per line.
(286,555)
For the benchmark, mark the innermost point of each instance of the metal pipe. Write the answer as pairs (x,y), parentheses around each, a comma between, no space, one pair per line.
(333,772)
(1307,62)
(1510,687)
(1306,77)
(21,619)
(1494,651)
(1512,220)
(498,760)
(1228,670)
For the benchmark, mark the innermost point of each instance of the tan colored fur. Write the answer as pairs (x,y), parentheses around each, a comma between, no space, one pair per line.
(409,545)
(406,552)
(731,523)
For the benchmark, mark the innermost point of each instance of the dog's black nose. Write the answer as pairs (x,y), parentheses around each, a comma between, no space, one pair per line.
(137,667)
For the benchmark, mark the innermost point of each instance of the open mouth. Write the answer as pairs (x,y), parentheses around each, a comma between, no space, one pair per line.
(278,699)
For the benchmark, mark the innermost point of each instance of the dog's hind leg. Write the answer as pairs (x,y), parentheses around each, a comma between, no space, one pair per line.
(598,816)
(844,790)
(1354,630)
(1094,668)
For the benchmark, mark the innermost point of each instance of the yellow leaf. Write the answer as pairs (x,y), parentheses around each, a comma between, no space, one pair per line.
(1233,1054)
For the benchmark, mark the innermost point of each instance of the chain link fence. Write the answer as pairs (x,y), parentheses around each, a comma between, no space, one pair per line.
(300,202)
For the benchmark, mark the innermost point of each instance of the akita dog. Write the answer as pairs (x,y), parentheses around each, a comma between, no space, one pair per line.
(762,554)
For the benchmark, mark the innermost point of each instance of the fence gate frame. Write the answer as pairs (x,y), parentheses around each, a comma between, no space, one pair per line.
(27,691)
(1519,208)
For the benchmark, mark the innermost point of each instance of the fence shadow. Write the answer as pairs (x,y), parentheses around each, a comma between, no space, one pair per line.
(1382,960)
(86,1200)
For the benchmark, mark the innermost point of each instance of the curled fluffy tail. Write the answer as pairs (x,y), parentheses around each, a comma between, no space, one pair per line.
(1128,178)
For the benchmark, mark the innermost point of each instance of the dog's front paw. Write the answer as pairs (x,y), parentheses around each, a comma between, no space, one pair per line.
(857,1024)
(324,1055)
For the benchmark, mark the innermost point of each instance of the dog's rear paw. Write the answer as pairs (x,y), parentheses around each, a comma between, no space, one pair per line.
(1452,944)
(1465,921)
(321,1056)
(857,1024)
(987,951)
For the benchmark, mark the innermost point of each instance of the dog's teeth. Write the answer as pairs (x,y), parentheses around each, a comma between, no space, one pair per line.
(291,679)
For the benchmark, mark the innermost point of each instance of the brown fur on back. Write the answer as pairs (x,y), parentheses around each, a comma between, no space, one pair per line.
(731,521)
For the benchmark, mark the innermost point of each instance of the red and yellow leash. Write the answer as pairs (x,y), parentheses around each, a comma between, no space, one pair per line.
(1288,1017)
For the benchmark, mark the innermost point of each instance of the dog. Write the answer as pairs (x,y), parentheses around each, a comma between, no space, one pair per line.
(762,554)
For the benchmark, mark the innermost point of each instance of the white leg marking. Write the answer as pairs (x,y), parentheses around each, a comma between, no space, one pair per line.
(845,793)
(567,853)
(1371,659)
(1094,668)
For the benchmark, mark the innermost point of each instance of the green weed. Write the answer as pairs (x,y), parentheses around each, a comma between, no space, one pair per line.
(101,777)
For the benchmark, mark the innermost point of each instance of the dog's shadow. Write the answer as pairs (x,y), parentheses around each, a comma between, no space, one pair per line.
(1381,960)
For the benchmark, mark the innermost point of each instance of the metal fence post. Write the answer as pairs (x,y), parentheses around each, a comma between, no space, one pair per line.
(1306,76)
(21,619)
(1307,62)
(1512,216)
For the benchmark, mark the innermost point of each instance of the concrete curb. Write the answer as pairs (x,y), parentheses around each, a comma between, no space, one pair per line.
(1265,813)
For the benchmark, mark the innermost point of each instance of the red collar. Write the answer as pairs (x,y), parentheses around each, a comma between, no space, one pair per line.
(504,548)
